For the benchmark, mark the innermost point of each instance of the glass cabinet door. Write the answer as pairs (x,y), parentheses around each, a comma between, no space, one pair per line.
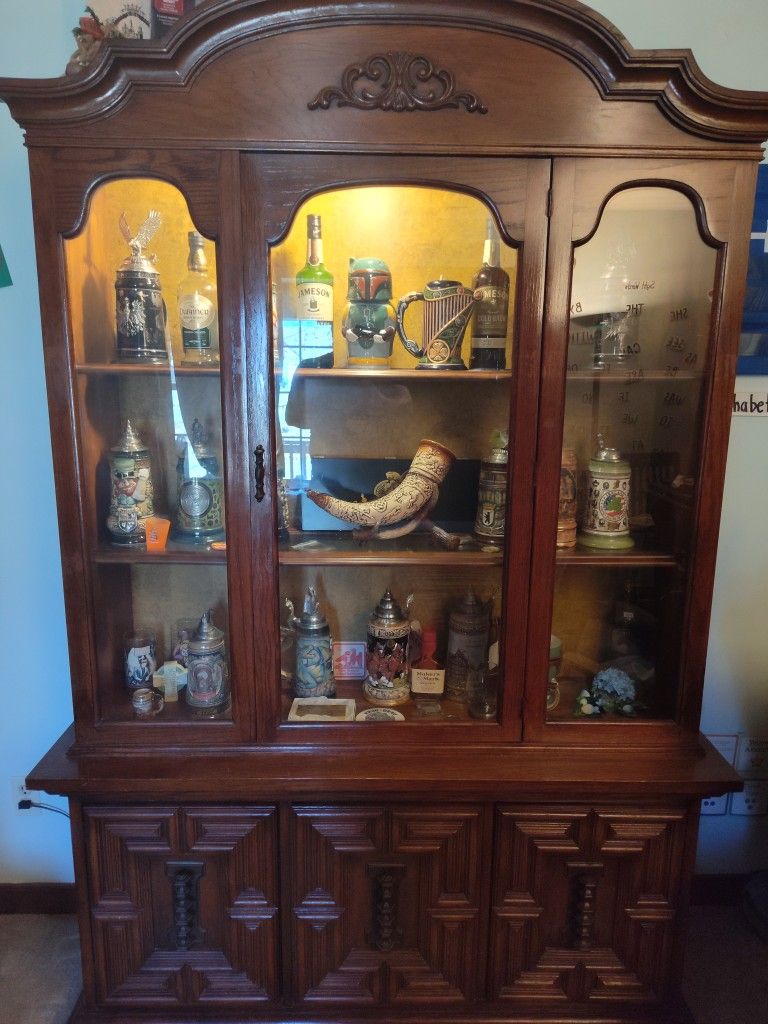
(393,312)
(636,381)
(142,297)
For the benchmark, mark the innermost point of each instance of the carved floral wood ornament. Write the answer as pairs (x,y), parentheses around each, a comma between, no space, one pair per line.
(400,81)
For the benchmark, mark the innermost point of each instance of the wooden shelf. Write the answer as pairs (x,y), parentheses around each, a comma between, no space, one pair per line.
(451,711)
(173,713)
(376,373)
(145,369)
(173,554)
(631,559)
(341,548)
(630,376)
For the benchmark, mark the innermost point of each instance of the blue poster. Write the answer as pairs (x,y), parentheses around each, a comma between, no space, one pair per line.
(5,274)
(753,347)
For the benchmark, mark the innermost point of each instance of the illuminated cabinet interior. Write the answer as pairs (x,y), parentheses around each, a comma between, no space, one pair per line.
(389,353)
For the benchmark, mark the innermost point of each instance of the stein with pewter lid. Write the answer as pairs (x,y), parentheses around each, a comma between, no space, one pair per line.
(468,627)
(140,314)
(131,490)
(314,649)
(200,502)
(386,660)
(207,675)
(606,520)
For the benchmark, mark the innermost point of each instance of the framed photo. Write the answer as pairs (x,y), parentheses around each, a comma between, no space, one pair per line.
(321,709)
(753,346)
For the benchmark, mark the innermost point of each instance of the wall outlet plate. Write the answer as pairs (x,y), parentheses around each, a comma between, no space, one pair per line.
(753,800)
(715,804)
(19,790)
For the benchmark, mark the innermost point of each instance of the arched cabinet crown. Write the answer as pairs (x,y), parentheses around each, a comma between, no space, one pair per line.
(430,75)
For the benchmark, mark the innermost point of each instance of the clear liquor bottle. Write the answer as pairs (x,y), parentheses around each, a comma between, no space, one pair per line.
(198,308)
(489,316)
(314,298)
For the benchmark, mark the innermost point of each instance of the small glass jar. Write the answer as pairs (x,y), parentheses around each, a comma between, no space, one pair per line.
(147,702)
(482,693)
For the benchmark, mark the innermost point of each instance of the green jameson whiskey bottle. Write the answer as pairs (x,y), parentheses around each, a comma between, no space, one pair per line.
(314,282)
(489,316)
(198,308)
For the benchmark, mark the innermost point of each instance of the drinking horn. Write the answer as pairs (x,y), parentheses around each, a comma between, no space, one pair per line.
(402,508)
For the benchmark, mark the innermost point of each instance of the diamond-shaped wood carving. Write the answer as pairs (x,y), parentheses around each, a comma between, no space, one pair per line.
(583,903)
(386,904)
(135,906)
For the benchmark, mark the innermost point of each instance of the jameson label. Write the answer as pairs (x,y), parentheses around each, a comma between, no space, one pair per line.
(314,302)
(197,315)
(490,314)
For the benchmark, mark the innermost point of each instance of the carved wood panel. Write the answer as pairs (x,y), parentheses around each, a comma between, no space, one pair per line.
(183,904)
(386,904)
(583,905)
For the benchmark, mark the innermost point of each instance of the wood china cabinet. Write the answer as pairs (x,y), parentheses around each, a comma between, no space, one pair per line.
(235,863)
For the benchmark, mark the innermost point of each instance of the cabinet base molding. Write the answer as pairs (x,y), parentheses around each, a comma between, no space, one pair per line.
(80,1015)
(37,898)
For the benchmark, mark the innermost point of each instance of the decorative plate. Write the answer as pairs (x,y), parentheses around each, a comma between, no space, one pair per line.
(380,715)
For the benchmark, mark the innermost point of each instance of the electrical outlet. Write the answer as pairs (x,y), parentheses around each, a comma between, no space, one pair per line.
(715,805)
(20,791)
(753,799)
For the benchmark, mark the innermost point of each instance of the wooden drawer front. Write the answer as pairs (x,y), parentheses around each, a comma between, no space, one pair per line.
(583,905)
(183,904)
(386,904)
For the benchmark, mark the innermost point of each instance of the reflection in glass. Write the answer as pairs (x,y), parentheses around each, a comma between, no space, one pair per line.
(635,384)
(381,442)
(150,430)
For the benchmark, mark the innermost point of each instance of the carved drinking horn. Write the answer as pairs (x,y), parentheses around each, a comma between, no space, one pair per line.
(406,504)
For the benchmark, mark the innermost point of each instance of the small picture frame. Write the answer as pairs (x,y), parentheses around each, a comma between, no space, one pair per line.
(321,709)
(348,659)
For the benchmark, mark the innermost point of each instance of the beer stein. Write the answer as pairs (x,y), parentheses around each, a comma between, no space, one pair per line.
(314,649)
(447,311)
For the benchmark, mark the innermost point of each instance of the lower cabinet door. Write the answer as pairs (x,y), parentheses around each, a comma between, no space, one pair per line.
(183,904)
(386,905)
(584,904)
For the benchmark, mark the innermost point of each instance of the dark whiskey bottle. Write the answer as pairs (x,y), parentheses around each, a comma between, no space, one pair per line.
(489,317)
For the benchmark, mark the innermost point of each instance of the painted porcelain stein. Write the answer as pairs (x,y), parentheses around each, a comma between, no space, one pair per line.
(386,659)
(314,650)
(606,519)
(447,311)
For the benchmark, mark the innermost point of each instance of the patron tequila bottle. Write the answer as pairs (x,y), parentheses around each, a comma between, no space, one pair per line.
(198,308)
(489,317)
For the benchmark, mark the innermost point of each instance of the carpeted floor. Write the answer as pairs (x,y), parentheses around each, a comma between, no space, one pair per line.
(726,978)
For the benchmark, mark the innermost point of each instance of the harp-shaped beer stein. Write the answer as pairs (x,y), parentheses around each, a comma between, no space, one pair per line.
(447,310)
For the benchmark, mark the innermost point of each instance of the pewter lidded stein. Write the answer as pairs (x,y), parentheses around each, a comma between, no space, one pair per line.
(468,627)
(386,659)
(200,502)
(131,495)
(606,518)
(207,675)
(140,316)
(314,650)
